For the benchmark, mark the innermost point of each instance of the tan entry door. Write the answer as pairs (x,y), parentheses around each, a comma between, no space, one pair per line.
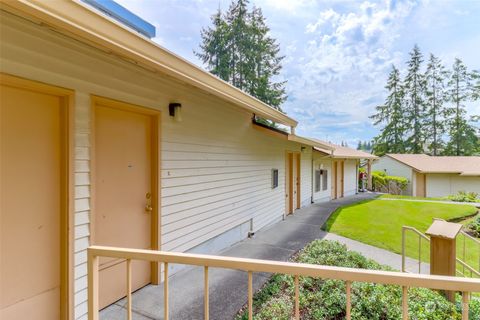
(292,182)
(124,193)
(289,176)
(420,184)
(32,203)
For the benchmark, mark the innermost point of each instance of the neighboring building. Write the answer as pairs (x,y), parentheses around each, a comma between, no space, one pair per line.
(336,173)
(109,139)
(430,176)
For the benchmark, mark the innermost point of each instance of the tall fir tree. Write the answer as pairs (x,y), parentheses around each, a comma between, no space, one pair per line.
(463,135)
(238,49)
(266,62)
(214,51)
(434,123)
(359,146)
(414,87)
(390,115)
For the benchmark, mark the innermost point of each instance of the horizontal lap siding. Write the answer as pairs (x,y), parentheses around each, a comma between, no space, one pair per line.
(306,177)
(216,175)
(324,164)
(215,170)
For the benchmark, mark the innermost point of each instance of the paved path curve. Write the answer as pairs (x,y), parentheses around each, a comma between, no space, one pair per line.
(474,204)
(228,288)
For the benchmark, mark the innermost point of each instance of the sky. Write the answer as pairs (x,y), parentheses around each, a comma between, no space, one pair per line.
(337,53)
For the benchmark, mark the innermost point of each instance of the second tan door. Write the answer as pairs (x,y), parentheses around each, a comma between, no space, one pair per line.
(123,184)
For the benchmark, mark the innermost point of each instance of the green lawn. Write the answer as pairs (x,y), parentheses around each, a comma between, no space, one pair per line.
(379,223)
(396,196)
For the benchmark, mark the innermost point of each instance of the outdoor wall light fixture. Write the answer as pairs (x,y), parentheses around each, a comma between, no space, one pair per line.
(175,111)
(302,148)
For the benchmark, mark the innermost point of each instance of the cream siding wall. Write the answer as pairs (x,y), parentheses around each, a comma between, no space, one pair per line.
(395,168)
(441,185)
(323,195)
(215,169)
(306,174)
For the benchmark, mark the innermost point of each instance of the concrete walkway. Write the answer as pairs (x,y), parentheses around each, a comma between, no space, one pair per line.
(381,256)
(228,288)
(474,204)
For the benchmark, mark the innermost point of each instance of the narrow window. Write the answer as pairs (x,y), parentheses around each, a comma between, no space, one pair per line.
(274,178)
(318,174)
(325,180)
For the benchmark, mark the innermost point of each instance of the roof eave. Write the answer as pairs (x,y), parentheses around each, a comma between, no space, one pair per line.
(309,142)
(86,23)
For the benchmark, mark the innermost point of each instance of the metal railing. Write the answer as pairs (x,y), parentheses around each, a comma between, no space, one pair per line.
(460,261)
(348,275)
(404,240)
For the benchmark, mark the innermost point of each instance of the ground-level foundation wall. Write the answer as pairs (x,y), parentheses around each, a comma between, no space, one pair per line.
(393,167)
(215,167)
(441,185)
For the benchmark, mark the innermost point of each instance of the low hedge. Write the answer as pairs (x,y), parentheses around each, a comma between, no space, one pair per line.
(325,299)
(390,184)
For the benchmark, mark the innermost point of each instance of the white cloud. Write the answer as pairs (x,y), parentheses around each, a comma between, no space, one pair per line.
(346,60)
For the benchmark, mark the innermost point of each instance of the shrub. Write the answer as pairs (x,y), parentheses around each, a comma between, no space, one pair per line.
(390,184)
(473,227)
(325,298)
(463,196)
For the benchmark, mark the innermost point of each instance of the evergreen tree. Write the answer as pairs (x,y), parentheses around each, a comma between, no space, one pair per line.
(414,87)
(214,47)
(390,115)
(359,146)
(476,87)
(238,49)
(435,110)
(463,135)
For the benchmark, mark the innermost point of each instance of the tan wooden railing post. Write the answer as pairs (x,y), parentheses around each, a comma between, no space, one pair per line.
(349,300)
(443,248)
(250,295)
(297,298)
(165,291)
(129,289)
(205,295)
(93,262)
(403,248)
(405,303)
(465,299)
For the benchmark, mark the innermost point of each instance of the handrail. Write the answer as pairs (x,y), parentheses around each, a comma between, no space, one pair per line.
(349,275)
(465,265)
(404,253)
